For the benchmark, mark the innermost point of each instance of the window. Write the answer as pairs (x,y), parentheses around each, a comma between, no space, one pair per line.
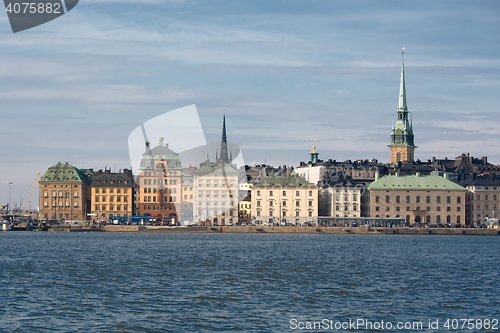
(397,199)
(438,208)
(310,203)
(448,209)
(284,193)
(258,203)
(428,199)
(270,193)
(297,193)
(387,208)
(377,208)
(258,193)
(478,197)
(438,199)
(377,199)
(387,199)
(407,198)
(398,208)
(271,203)
(270,213)
(310,193)
(284,203)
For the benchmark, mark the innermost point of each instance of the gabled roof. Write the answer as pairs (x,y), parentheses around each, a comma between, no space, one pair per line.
(415,183)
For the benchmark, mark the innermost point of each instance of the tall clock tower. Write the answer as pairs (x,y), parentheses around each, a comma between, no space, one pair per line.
(402,140)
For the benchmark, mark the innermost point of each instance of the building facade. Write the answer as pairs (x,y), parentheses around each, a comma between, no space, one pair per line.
(402,139)
(64,193)
(160,182)
(284,199)
(216,194)
(482,198)
(430,200)
(112,194)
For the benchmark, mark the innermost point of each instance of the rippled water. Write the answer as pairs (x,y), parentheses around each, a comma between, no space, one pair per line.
(135,282)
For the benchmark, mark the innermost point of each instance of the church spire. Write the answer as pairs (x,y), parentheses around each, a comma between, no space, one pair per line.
(402,86)
(402,139)
(223,144)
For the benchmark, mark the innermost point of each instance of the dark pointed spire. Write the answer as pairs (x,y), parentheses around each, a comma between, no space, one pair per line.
(223,144)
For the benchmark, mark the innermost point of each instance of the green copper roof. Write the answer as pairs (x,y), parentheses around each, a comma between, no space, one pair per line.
(415,183)
(66,173)
(292,181)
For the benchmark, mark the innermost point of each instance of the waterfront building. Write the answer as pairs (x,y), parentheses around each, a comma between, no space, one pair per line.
(187,194)
(482,198)
(216,187)
(112,194)
(64,193)
(402,139)
(343,198)
(419,199)
(160,181)
(279,199)
(216,193)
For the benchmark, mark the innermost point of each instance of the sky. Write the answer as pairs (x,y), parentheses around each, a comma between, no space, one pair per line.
(284,71)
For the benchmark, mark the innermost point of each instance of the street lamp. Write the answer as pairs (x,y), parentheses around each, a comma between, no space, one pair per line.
(8,205)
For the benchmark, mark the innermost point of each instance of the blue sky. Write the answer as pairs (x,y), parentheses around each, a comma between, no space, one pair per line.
(285,72)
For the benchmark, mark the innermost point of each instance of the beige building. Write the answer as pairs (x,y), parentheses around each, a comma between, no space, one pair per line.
(64,193)
(284,200)
(482,198)
(112,195)
(430,200)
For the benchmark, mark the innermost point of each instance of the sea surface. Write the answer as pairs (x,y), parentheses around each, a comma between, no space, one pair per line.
(138,282)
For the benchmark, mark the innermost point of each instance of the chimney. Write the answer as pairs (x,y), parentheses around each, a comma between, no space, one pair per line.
(376,176)
(485,159)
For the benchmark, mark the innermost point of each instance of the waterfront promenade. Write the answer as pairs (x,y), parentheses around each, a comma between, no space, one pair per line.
(304,230)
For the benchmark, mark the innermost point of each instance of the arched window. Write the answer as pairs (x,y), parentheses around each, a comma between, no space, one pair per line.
(438,219)
(458,219)
(448,219)
(428,219)
(398,157)
(407,218)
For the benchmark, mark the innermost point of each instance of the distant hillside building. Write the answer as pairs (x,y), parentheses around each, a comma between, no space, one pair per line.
(402,139)
(482,198)
(64,193)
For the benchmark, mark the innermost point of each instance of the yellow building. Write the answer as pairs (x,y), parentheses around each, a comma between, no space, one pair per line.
(112,194)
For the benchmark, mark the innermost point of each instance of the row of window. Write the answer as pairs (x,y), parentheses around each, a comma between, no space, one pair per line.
(111,190)
(346,207)
(149,198)
(418,199)
(346,197)
(208,183)
(103,198)
(215,203)
(154,190)
(215,212)
(283,213)
(408,208)
(208,194)
(154,181)
(159,173)
(284,193)
(158,207)
(284,203)
(61,194)
(61,204)
(99,207)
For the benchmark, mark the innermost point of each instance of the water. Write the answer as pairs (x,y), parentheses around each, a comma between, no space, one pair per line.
(135,282)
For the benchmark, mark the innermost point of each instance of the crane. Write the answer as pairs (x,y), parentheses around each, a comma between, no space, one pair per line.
(28,198)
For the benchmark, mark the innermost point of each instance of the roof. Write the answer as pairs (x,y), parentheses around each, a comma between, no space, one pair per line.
(213,169)
(106,178)
(481,180)
(66,173)
(415,183)
(292,181)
